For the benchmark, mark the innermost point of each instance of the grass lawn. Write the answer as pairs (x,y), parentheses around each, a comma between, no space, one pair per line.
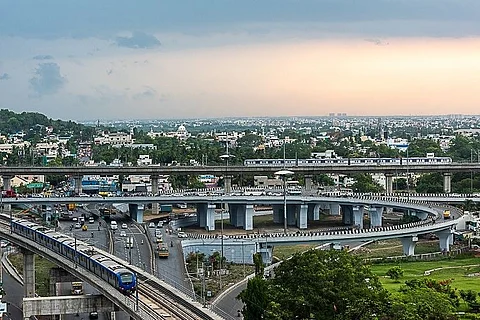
(391,248)
(42,272)
(416,270)
(283,252)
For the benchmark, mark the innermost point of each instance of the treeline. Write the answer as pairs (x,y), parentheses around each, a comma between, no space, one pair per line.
(33,125)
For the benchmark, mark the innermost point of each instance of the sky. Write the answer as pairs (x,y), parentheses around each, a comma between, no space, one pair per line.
(170,59)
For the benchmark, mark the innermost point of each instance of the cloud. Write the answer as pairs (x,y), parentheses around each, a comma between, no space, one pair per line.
(148,93)
(377,42)
(138,40)
(43,57)
(5,76)
(47,79)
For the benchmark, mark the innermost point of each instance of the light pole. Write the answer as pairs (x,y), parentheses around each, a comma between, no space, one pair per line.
(284,174)
(226,191)
(408,178)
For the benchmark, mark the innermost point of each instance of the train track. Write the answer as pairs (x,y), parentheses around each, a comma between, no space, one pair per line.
(172,305)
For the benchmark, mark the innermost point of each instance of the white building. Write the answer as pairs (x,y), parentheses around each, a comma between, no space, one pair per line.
(144,160)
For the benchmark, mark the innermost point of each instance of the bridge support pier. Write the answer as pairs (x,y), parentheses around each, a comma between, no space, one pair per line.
(136,212)
(28,274)
(313,212)
(154,180)
(389,183)
(59,275)
(291,214)
(357,214)
(447,182)
(347,214)
(302,216)
(316,212)
(7,185)
(277,213)
(228,184)
(206,216)
(245,213)
(446,239)
(408,244)
(77,180)
(375,214)
(334,209)
(308,182)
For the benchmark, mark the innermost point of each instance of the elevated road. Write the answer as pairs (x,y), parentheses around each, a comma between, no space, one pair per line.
(235,170)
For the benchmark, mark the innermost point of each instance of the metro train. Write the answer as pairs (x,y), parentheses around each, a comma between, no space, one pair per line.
(347,161)
(114,273)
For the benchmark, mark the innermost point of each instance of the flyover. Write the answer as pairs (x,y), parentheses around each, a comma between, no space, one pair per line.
(236,170)
(148,306)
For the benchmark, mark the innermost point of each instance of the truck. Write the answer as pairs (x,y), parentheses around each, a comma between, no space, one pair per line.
(77,288)
(446,214)
(162,250)
(71,206)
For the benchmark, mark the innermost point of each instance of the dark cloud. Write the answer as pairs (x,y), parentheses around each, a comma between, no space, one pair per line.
(43,57)
(5,76)
(47,79)
(138,40)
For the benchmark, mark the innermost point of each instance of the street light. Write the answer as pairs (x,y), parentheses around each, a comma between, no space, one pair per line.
(284,174)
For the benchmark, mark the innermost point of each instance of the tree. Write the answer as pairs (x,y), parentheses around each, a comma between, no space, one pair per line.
(255,298)
(420,148)
(334,285)
(365,183)
(395,273)
(430,183)
(469,296)
(259,265)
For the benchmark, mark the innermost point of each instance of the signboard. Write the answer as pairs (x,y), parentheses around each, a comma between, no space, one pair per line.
(35,185)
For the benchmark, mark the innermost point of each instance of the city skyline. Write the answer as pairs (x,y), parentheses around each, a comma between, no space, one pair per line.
(228,59)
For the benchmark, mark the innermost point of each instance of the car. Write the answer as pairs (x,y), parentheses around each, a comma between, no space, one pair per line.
(123,233)
(84,227)
(151,225)
(74,219)
(113,225)
(78,225)
(182,234)
(91,220)
(124,226)
(160,224)
(93,315)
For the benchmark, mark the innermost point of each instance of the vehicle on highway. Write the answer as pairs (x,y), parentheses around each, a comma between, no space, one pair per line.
(124,226)
(123,233)
(163,250)
(182,234)
(86,256)
(84,227)
(160,224)
(77,288)
(151,225)
(113,225)
(78,225)
(91,220)
(446,214)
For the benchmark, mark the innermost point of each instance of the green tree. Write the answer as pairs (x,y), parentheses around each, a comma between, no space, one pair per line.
(365,183)
(430,183)
(255,298)
(259,265)
(395,273)
(420,148)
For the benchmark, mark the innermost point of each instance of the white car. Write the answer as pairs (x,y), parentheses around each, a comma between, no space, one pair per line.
(124,226)
(78,225)
(182,234)
(91,220)
(113,225)
(123,233)
(151,225)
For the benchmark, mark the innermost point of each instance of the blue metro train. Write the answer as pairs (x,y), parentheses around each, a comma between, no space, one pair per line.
(114,273)
(348,161)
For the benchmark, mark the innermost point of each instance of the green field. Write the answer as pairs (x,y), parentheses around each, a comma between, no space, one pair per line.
(416,270)
(42,270)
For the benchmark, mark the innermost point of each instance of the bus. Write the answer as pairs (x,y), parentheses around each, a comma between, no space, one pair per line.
(162,250)
(77,288)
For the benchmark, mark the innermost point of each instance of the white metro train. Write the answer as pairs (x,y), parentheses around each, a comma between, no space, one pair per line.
(348,161)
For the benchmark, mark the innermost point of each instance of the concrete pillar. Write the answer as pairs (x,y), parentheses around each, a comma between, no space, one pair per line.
(7,185)
(408,244)
(232,210)
(308,182)
(389,183)
(347,214)
(154,181)
(248,217)
(316,212)
(375,214)
(447,182)
(291,214)
(277,213)
(206,216)
(334,209)
(357,213)
(78,184)
(302,216)
(445,238)
(28,274)
(311,208)
(228,184)
(136,212)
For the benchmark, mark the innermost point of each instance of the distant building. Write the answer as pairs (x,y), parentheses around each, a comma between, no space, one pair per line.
(264,181)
